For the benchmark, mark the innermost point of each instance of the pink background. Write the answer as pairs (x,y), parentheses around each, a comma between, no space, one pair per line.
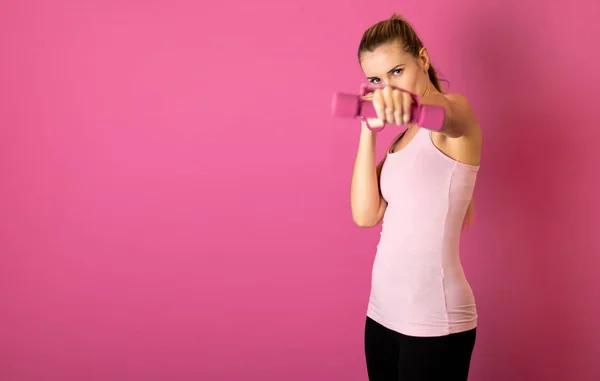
(174,195)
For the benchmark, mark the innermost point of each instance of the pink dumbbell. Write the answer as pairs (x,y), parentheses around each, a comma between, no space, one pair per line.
(354,106)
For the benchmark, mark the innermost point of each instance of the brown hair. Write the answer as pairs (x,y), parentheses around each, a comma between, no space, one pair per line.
(396,28)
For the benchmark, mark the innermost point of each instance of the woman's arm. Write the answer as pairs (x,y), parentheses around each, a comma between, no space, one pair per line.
(367,204)
(468,221)
(460,119)
(392,105)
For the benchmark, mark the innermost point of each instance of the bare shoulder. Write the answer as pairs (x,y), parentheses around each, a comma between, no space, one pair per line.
(465,116)
(466,148)
(458,98)
(462,106)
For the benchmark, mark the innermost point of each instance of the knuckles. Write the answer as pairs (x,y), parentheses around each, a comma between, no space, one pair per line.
(390,104)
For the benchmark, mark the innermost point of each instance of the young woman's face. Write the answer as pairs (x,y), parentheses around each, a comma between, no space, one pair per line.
(389,64)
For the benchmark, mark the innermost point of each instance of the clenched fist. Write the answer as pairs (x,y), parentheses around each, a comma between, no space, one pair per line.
(392,105)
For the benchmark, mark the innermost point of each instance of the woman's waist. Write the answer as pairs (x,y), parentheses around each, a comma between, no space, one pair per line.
(419,280)
(421,260)
(431,246)
(405,222)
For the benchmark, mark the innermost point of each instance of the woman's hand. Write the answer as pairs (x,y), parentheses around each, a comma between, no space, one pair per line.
(393,106)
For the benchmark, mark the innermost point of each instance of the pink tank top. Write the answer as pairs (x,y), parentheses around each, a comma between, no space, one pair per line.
(418,286)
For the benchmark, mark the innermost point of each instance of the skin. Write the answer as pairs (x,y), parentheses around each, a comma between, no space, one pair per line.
(459,138)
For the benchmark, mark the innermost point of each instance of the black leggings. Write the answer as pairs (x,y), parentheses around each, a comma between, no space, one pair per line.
(392,356)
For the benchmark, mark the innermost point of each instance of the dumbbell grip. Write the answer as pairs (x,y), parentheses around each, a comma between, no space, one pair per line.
(426,116)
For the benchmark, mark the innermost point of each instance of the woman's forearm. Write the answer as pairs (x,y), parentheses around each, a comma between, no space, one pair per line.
(364,190)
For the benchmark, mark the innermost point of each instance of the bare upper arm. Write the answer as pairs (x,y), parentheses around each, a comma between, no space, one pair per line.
(466,147)
(379,167)
(463,115)
(382,202)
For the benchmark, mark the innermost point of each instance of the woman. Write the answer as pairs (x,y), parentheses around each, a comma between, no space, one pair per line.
(421,317)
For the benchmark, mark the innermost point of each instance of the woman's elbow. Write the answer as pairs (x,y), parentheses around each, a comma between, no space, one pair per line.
(365,221)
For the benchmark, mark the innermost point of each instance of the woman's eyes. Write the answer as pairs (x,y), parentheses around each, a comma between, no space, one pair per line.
(395,72)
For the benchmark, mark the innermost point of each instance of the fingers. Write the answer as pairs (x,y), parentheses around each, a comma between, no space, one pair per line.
(379,104)
(368,97)
(389,105)
(398,106)
(392,106)
(374,122)
(406,103)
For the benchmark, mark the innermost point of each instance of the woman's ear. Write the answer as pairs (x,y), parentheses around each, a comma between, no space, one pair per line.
(424,60)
